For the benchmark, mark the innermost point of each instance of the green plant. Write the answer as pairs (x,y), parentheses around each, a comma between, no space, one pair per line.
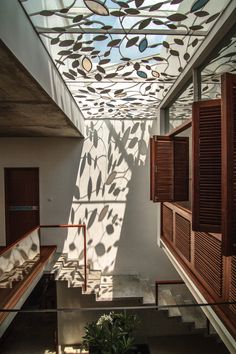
(111,334)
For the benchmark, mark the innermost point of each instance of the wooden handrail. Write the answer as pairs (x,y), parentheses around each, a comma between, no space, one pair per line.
(83,226)
(166,282)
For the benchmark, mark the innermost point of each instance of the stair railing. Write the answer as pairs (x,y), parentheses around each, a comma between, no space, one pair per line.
(83,226)
(165,282)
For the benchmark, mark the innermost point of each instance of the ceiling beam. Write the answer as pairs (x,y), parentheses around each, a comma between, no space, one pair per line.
(150,32)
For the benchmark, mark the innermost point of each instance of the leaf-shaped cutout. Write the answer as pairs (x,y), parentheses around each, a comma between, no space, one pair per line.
(77,46)
(75,63)
(145,23)
(64,52)
(177,17)
(113,43)
(213,17)
(46,13)
(92,218)
(68,76)
(136,66)
(90,188)
(72,72)
(174,52)
(103,213)
(156,6)
(139,3)
(201,13)
(198,5)
(155,73)
(118,13)
(165,44)
(91,89)
(55,40)
(98,77)
(81,72)
(87,64)
(132,143)
(171,26)
(196,27)
(87,49)
(142,74)
(132,11)
(100,68)
(132,41)
(186,56)
(159,58)
(143,45)
(100,37)
(111,177)
(66,43)
(104,61)
(178,41)
(97,7)
(78,18)
(195,42)
(95,162)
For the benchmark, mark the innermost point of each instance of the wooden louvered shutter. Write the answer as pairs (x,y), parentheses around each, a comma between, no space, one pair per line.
(228,86)
(181,168)
(169,169)
(206,125)
(162,169)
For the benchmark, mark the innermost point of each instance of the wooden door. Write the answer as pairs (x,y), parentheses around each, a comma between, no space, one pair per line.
(21,201)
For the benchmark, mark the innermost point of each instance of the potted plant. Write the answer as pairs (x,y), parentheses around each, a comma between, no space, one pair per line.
(111,334)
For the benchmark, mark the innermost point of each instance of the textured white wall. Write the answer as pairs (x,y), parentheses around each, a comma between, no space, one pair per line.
(102,181)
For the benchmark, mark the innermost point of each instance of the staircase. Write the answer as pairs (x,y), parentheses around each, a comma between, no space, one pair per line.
(106,291)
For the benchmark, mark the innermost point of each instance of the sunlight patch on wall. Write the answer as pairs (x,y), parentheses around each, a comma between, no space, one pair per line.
(111,151)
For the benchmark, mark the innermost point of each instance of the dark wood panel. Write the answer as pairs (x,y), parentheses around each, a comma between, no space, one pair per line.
(206,186)
(164,169)
(167,223)
(181,168)
(232,288)
(183,236)
(208,260)
(228,135)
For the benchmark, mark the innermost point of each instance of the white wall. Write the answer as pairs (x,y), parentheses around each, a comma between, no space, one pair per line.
(103,182)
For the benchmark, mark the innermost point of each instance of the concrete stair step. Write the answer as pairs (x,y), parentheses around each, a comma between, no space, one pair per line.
(166,298)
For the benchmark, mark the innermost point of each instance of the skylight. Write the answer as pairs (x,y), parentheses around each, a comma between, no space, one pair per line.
(119,58)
